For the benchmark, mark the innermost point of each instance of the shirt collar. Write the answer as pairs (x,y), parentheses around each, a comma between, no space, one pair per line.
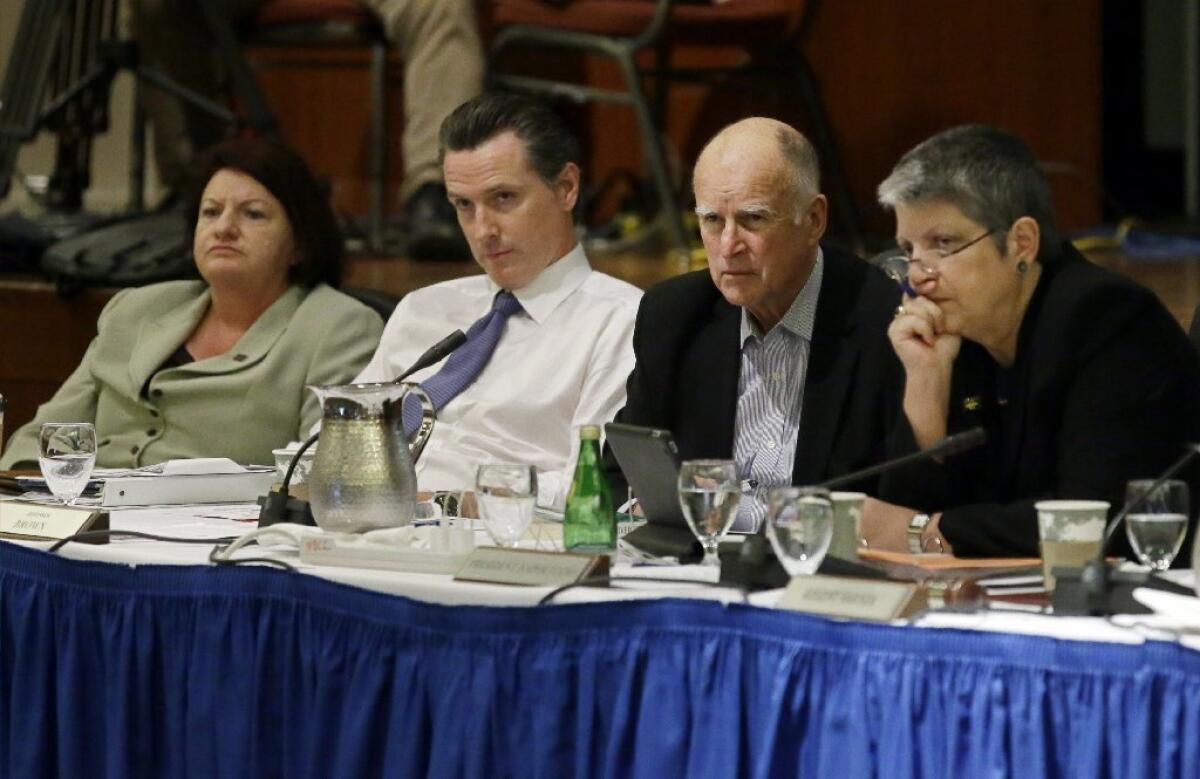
(552,286)
(801,315)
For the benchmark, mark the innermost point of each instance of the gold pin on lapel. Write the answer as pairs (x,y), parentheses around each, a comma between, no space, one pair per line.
(972,403)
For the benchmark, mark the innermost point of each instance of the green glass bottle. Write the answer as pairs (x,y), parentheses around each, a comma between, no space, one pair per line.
(590,524)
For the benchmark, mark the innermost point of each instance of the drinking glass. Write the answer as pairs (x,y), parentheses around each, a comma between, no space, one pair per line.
(709,491)
(506,495)
(800,527)
(66,454)
(1156,528)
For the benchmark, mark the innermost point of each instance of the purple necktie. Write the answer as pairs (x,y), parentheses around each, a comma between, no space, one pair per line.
(465,364)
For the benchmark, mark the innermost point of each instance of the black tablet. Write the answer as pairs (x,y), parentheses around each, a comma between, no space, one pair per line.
(650,462)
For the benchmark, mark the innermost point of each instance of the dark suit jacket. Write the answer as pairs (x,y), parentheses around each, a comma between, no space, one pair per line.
(1105,388)
(689,359)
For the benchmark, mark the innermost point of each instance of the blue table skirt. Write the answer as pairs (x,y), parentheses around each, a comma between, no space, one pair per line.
(111,670)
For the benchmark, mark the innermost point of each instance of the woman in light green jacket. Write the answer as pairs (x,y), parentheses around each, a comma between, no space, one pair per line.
(218,368)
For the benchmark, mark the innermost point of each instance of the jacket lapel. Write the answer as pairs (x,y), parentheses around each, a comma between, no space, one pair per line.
(727,367)
(158,338)
(258,340)
(832,360)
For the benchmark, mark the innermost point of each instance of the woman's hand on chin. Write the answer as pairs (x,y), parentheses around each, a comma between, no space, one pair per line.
(927,351)
(918,334)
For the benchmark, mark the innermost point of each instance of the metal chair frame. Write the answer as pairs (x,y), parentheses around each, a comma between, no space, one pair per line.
(623,50)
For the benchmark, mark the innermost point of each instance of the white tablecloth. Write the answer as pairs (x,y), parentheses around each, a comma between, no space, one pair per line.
(214,522)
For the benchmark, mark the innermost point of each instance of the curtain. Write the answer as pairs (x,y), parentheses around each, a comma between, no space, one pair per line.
(120,671)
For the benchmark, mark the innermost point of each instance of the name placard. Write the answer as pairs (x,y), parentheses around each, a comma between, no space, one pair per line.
(31,521)
(529,567)
(841,596)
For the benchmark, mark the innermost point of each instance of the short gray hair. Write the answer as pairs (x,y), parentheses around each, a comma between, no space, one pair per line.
(804,169)
(988,174)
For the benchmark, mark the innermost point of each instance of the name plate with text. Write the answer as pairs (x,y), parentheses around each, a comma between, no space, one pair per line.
(841,596)
(31,521)
(528,567)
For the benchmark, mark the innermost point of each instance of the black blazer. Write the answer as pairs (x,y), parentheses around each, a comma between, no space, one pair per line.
(689,359)
(1105,388)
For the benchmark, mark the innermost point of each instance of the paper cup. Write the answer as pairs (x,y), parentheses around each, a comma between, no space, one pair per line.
(847,524)
(283,458)
(1070,532)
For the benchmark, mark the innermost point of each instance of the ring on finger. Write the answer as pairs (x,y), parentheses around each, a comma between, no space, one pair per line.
(900,310)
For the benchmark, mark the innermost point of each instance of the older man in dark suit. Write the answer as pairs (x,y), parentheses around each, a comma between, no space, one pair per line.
(778,356)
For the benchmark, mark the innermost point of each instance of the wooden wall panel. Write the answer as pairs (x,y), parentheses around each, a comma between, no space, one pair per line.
(891,73)
(894,73)
(43,337)
(321,96)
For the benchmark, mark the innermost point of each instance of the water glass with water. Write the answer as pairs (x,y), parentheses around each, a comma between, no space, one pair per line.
(1156,527)
(66,454)
(709,492)
(800,527)
(506,495)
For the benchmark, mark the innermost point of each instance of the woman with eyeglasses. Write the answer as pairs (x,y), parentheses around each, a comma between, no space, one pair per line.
(1080,377)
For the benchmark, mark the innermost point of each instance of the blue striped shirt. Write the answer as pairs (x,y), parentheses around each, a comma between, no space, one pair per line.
(770,398)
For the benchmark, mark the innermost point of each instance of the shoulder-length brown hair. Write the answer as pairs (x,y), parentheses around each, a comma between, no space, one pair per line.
(285,175)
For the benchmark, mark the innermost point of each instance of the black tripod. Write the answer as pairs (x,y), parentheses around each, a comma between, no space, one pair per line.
(59,79)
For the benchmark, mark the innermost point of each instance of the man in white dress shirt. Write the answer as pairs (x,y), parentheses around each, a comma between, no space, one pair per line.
(512,174)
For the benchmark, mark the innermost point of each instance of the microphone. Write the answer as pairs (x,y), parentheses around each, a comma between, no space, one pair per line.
(1089,590)
(755,564)
(1139,501)
(275,506)
(946,447)
(433,354)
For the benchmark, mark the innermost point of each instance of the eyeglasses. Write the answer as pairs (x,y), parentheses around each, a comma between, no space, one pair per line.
(938,255)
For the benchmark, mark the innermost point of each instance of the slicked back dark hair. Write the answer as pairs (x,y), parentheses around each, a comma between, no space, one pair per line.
(284,174)
(549,145)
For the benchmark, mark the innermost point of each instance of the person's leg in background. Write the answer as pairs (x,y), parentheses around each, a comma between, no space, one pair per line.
(443,67)
(173,37)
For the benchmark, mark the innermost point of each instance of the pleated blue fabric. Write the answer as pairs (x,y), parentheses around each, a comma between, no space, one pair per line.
(118,671)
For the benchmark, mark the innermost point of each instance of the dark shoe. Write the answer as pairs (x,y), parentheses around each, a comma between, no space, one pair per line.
(432,226)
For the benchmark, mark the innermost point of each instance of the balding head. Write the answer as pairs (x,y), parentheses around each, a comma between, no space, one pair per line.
(761,216)
(777,146)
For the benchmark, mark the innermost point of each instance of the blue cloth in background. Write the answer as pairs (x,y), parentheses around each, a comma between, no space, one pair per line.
(1139,244)
(119,671)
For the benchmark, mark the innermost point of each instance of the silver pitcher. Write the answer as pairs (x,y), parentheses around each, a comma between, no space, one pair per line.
(364,474)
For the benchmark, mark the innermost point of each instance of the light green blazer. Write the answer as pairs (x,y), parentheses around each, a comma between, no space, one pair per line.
(240,405)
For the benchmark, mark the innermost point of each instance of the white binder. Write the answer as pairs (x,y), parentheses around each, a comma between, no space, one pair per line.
(156,490)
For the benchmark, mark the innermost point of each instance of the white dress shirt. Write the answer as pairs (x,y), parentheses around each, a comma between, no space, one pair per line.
(561,363)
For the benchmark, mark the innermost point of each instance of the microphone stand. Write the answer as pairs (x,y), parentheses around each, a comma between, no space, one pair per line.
(1090,590)
(946,447)
(755,566)
(275,506)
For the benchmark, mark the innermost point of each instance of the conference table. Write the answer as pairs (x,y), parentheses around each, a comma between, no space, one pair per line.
(140,658)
